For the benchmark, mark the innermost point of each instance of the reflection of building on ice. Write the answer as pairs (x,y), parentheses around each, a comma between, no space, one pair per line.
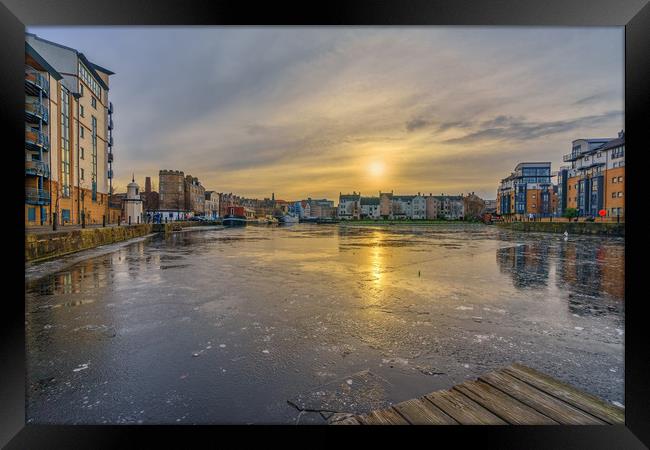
(132,204)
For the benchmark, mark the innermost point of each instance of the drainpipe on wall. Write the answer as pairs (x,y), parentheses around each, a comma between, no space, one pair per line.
(77,96)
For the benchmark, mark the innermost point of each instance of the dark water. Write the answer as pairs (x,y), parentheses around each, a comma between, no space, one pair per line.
(225,326)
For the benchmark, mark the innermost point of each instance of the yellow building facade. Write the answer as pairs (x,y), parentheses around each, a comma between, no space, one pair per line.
(69,156)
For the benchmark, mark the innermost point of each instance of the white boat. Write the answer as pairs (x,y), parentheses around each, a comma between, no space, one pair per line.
(288,218)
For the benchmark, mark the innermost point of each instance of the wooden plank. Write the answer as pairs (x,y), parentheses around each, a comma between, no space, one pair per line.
(462,409)
(423,412)
(382,417)
(581,400)
(348,421)
(502,405)
(548,405)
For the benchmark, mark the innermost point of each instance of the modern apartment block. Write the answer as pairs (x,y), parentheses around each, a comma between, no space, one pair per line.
(68,135)
(527,190)
(595,180)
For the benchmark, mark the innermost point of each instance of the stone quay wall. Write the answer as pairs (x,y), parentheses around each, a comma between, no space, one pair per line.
(595,228)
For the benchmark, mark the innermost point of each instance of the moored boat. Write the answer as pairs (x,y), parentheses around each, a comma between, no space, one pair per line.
(236,217)
(288,218)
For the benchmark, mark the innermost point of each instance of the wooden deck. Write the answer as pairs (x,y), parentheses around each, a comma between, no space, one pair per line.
(516,395)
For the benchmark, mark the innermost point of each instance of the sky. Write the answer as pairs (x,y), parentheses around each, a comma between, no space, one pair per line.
(315,111)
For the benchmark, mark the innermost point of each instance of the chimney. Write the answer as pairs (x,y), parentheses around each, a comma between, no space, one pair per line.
(147,185)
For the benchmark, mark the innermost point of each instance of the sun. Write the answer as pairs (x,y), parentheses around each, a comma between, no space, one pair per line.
(376,168)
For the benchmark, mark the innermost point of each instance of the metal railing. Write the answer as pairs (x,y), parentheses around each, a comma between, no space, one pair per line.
(36,78)
(36,137)
(37,196)
(36,167)
(37,109)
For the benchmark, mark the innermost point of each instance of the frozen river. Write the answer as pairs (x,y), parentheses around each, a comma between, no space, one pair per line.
(227,326)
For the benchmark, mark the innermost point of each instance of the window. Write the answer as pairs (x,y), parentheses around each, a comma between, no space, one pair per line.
(613,194)
(620,194)
(82,175)
(93,102)
(81,152)
(31,214)
(81,110)
(613,179)
(81,89)
(81,132)
(620,179)
(599,154)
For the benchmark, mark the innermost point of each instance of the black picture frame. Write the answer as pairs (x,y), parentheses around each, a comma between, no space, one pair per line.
(634,15)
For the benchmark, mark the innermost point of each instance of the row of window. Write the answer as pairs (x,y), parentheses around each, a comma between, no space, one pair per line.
(617,179)
(85,75)
(617,194)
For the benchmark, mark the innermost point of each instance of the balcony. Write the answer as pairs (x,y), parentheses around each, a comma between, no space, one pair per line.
(110,173)
(36,140)
(36,82)
(110,124)
(110,107)
(110,141)
(38,168)
(35,112)
(110,157)
(571,156)
(35,196)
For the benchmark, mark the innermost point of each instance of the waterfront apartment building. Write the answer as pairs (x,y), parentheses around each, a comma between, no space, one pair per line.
(595,180)
(369,208)
(68,136)
(349,206)
(528,190)
(391,206)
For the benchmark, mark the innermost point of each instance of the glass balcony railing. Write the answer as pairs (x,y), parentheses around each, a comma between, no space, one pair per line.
(110,141)
(35,81)
(110,124)
(35,111)
(110,157)
(35,196)
(35,167)
(110,107)
(36,139)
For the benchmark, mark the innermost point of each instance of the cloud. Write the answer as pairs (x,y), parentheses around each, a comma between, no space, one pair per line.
(507,128)
(414,124)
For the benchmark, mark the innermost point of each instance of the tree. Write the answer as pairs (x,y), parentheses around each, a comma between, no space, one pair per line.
(570,213)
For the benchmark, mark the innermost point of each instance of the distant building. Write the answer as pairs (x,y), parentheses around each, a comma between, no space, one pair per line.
(171,187)
(385,204)
(194,195)
(451,207)
(349,207)
(211,204)
(402,207)
(369,208)
(527,191)
(150,198)
(596,178)
(419,207)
